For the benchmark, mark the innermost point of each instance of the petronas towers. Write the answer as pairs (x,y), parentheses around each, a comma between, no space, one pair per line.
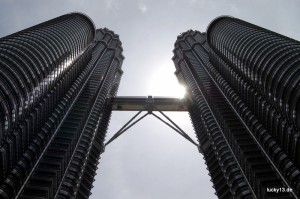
(243,82)
(57,79)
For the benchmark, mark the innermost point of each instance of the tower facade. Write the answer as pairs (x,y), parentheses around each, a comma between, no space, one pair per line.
(243,84)
(55,78)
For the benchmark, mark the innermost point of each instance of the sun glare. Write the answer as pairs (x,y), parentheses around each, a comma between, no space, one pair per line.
(163,82)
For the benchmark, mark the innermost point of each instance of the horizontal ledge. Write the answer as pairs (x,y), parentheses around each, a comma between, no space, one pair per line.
(150,103)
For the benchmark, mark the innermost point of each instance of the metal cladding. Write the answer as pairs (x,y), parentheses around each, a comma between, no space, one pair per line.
(34,59)
(54,81)
(243,84)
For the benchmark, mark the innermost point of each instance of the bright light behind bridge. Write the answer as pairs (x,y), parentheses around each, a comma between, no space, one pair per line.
(163,82)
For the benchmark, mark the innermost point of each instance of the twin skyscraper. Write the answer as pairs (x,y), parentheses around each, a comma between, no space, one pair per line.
(57,78)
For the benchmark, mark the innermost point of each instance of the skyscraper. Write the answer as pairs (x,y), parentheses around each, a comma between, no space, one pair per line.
(243,84)
(55,78)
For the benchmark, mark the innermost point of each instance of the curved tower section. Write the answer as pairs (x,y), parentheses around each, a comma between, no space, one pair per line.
(33,60)
(263,68)
(55,81)
(243,83)
(267,61)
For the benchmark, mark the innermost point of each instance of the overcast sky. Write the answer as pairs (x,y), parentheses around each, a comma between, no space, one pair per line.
(151,161)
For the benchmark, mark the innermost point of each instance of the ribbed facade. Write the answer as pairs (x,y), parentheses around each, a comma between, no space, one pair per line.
(55,79)
(243,82)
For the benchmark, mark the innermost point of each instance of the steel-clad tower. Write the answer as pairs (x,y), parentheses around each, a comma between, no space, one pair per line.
(243,83)
(58,85)
(55,78)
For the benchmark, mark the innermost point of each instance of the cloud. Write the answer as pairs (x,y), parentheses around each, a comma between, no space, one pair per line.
(234,9)
(113,4)
(143,8)
(172,2)
(198,2)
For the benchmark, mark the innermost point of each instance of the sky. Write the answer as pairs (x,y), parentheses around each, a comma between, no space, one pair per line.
(150,160)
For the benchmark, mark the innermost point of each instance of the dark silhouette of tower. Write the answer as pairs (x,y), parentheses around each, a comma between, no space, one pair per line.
(55,78)
(243,83)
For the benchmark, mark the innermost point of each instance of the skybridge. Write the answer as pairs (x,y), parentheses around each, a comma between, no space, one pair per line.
(150,106)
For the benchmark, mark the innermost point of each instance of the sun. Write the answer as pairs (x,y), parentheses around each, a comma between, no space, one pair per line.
(163,82)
